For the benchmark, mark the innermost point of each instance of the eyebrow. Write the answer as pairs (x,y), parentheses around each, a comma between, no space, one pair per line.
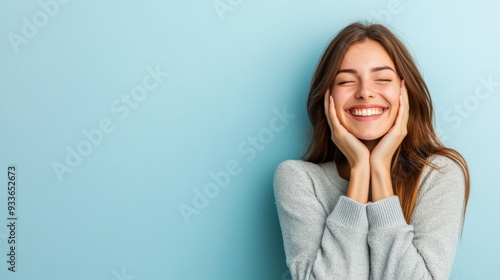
(374,69)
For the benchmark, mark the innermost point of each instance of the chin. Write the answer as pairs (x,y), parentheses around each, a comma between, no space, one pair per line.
(367,136)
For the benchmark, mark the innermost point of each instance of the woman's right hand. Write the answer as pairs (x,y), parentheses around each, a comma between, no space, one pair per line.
(353,149)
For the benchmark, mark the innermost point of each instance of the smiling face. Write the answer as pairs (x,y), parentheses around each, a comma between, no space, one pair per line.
(367,78)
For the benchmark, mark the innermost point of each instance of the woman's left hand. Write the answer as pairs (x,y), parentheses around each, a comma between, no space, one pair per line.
(382,154)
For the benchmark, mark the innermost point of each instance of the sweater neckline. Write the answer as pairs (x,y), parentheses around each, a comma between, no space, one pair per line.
(330,169)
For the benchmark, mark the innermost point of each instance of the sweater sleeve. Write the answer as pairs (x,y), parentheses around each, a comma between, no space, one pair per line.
(319,245)
(425,248)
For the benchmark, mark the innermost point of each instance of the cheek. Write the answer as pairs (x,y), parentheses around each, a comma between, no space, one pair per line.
(339,97)
(339,101)
(394,108)
(391,95)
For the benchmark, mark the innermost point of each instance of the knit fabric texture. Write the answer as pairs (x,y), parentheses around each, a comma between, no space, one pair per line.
(328,235)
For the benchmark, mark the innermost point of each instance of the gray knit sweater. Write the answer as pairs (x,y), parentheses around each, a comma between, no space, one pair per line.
(328,235)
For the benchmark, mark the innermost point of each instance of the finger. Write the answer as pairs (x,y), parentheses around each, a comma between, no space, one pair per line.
(403,91)
(400,115)
(402,119)
(327,106)
(406,103)
(333,113)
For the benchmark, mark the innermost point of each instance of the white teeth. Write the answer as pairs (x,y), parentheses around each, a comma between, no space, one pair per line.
(367,112)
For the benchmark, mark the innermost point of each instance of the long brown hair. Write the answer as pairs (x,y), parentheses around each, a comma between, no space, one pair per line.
(421,140)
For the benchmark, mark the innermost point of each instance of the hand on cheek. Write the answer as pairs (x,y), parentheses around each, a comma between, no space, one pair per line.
(354,150)
(382,153)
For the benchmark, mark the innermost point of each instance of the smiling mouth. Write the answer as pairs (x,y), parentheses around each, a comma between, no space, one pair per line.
(367,112)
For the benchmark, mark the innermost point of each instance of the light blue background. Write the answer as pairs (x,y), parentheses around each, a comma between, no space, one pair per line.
(117,213)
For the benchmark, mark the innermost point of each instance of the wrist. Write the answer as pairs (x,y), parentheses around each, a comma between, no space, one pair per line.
(361,165)
(359,183)
(379,166)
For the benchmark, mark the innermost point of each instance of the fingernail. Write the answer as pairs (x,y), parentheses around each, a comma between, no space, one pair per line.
(331,99)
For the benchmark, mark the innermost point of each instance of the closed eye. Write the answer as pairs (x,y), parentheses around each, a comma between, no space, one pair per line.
(344,82)
(382,80)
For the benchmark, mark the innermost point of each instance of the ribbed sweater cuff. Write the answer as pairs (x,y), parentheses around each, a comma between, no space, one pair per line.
(348,213)
(385,213)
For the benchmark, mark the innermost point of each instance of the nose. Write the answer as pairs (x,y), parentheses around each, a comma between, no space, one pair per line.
(364,91)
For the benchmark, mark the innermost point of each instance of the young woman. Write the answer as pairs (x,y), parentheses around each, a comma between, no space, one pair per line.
(377,195)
